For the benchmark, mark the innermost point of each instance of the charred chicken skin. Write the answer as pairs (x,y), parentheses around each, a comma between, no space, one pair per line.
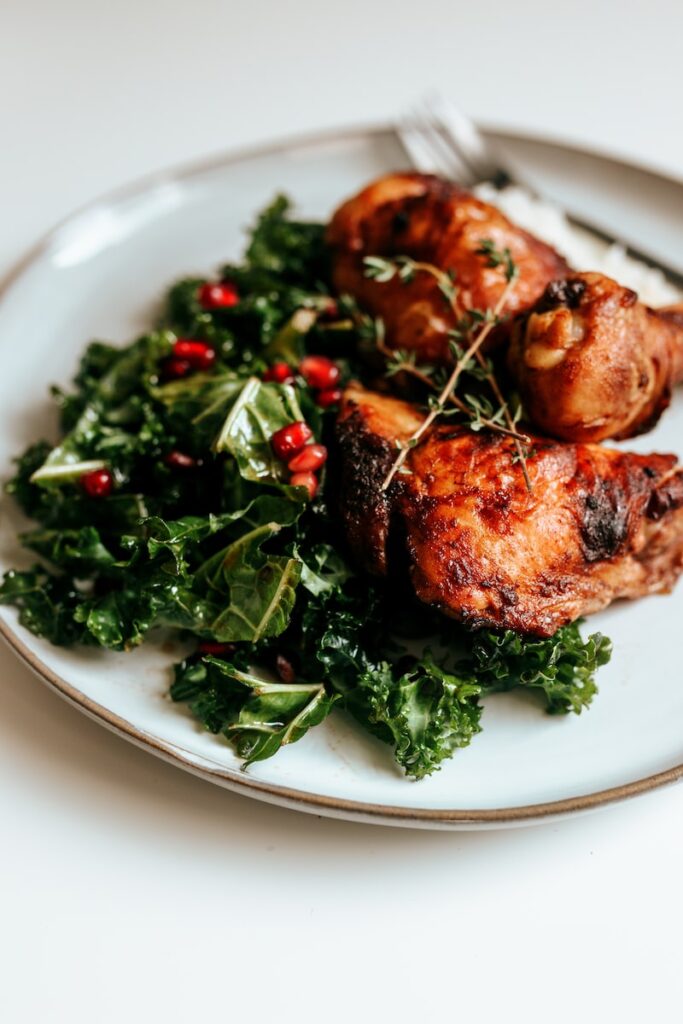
(591,362)
(432,221)
(598,525)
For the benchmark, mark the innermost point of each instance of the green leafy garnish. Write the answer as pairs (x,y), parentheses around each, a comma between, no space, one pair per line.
(562,667)
(425,713)
(257,716)
(257,412)
(259,587)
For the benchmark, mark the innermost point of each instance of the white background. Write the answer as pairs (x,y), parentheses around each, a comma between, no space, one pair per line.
(131,891)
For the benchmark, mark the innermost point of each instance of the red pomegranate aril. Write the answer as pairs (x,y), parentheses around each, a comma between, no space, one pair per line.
(179,460)
(198,354)
(98,483)
(307,480)
(330,311)
(289,440)
(218,295)
(310,458)
(331,396)
(279,373)
(173,369)
(214,647)
(285,669)
(319,372)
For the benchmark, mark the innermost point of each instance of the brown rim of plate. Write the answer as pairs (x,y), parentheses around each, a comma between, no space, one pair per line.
(236,779)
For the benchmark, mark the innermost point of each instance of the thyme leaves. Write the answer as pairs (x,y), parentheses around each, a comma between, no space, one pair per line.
(471,329)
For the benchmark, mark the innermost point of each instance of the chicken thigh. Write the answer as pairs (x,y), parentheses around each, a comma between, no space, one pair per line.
(598,525)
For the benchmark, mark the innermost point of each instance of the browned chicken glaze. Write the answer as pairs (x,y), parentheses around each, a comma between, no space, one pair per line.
(591,362)
(598,525)
(433,221)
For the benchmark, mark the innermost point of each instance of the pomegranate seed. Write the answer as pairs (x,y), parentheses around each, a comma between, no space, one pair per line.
(330,311)
(279,373)
(173,368)
(198,354)
(179,460)
(285,669)
(218,296)
(307,480)
(319,372)
(98,483)
(289,440)
(310,458)
(214,647)
(331,396)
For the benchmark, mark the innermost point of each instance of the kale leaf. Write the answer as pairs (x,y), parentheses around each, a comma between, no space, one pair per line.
(117,424)
(47,604)
(561,667)
(289,250)
(256,589)
(257,716)
(80,550)
(256,413)
(425,712)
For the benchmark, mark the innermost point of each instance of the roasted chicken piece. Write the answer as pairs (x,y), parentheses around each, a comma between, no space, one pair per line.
(598,525)
(591,362)
(433,221)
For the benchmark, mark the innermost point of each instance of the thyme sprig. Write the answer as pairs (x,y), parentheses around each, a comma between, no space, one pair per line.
(438,404)
(498,258)
(471,330)
(480,413)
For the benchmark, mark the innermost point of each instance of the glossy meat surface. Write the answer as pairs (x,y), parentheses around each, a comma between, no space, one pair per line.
(437,222)
(599,524)
(591,362)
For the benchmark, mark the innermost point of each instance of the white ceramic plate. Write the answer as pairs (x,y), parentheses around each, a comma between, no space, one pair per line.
(101,275)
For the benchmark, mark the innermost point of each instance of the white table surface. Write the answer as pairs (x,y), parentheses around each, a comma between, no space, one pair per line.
(132,891)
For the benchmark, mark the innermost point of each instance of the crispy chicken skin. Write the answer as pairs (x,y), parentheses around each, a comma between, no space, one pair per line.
(591,362)
(599,524)
(437,222)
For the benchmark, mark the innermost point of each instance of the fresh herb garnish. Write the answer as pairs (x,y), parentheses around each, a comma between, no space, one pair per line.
(471,329)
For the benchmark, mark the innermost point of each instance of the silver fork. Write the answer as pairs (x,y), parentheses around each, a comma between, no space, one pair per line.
(439,138)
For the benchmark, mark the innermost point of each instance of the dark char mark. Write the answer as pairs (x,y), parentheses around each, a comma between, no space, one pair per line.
(365,459)
(604,521)
(561,293)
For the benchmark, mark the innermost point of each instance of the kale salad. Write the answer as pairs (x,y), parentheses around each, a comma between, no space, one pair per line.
(194,488)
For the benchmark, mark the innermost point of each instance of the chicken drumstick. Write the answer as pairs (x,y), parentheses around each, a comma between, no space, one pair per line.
(591,362)
(432,221)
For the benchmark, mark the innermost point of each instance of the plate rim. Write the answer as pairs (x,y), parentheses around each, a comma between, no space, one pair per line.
(236,779)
